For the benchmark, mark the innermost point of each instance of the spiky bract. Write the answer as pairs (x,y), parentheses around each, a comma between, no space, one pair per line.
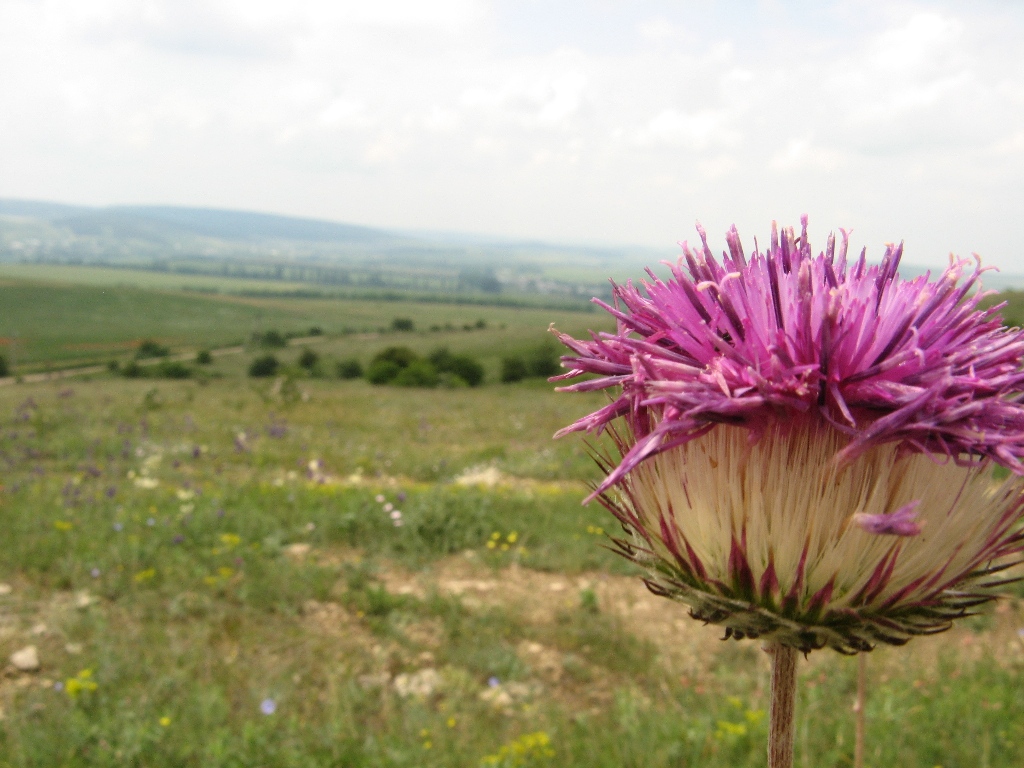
(762,538)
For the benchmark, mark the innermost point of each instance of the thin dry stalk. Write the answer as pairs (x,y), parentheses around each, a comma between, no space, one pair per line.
(858,709)
(781,728)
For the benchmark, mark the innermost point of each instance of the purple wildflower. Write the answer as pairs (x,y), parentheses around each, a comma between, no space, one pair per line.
(787,424)
(95,573)
(493,682)
(268,706)
(118,527)
(178,539)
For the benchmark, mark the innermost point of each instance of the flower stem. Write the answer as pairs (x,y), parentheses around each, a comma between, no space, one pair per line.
(781,729)
(858,708)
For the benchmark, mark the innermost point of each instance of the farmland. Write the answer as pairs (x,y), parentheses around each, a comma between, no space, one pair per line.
(227,571)
(81,320)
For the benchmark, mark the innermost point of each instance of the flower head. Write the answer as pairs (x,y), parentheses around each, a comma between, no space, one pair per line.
(804,445)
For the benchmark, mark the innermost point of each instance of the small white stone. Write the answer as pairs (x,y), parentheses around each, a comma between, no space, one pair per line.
(420,684)
(297,551)
(26,660)
(5,589)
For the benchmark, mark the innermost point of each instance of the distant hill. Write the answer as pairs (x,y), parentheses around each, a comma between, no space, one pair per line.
(169,222)
(261,246)
(270,247)
(40,210)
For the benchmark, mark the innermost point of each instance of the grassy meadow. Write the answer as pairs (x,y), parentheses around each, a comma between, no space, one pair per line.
(304,571)
(47,324)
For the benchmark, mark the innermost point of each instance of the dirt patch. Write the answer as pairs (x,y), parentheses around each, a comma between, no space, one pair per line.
(686,647)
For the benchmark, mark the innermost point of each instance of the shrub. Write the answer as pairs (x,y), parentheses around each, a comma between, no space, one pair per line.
(467,369)
(440,358)
(463,366)
(204,357)
(132,370)
(5,369)
(114,366)
(543,360)
(419,373)
(400,356)
(308,359)
(513,369)
(171,369)
(349,369)
(271,339)
(403,324)
(150,348)
(263,366)
(451,381)
(382,371)
(316,330)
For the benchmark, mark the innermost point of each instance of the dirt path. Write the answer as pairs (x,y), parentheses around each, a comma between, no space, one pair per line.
(64,373)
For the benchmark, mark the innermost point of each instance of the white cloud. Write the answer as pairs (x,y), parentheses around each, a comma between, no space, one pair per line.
(696,131)
(801,154)
(623,123)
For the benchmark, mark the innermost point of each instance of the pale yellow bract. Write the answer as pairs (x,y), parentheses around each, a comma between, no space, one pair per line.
(784,498)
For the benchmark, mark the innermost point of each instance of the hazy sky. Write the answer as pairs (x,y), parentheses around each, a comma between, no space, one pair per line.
(594,122)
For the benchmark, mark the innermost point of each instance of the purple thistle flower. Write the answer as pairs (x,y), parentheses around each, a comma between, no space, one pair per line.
(879,358)
(268,706)
(786,425)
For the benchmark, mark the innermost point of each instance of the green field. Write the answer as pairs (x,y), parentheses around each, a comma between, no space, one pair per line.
(196,549)
(54,324)
(304,571)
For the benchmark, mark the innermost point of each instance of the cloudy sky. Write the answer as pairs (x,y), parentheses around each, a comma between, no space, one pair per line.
(591,122)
